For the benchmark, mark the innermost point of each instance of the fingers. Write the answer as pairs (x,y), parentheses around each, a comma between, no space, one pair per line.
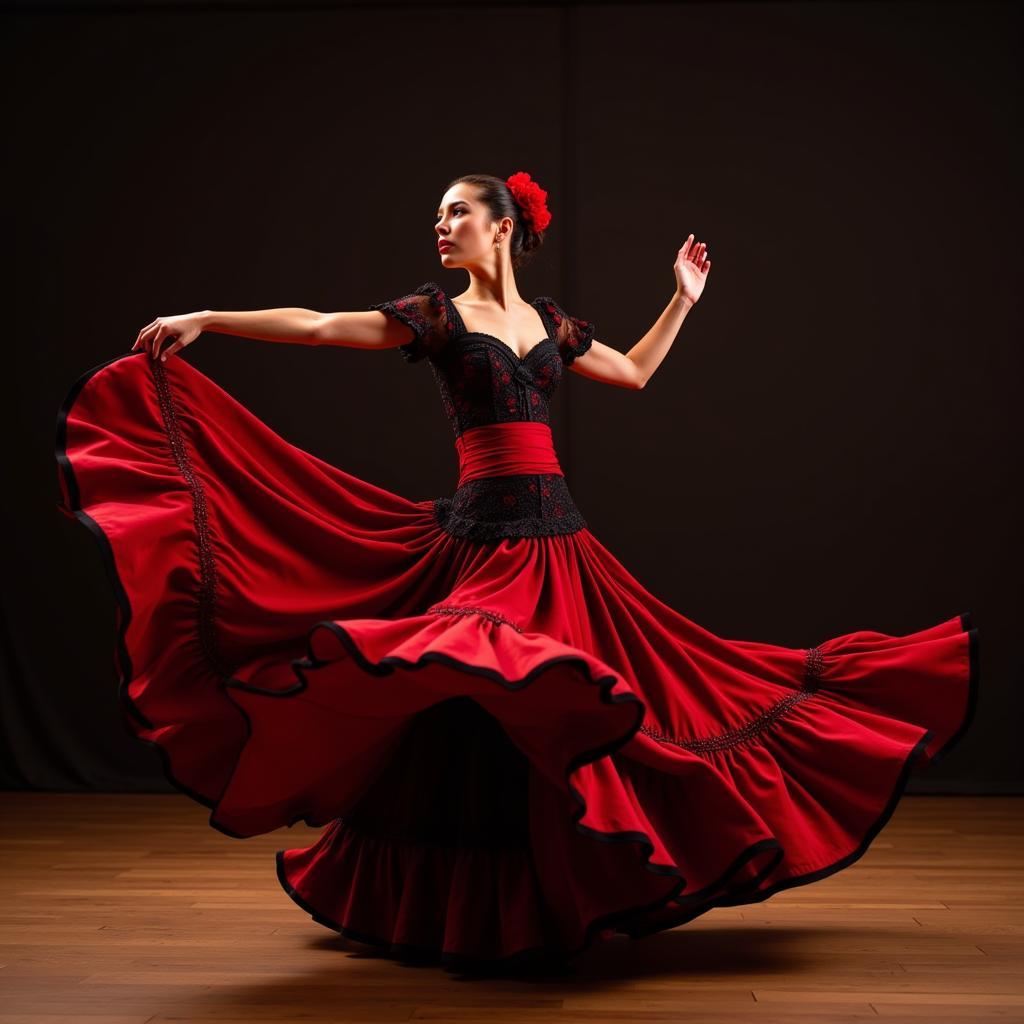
(149,342)
(162,337)
(172,344)
(696,252)
(142,341)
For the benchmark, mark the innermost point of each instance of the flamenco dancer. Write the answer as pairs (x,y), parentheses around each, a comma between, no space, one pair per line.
(511,747)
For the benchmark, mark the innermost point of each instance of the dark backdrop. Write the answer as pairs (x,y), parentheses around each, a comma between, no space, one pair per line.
(830,445)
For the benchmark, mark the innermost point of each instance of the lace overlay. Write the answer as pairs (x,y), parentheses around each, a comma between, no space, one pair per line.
(425,311)
(572,335)
(813,665)
(483,381)
(493,507)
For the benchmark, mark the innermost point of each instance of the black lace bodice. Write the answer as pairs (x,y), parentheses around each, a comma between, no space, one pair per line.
(483,381)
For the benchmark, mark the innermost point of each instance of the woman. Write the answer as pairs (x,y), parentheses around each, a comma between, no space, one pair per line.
(512,746)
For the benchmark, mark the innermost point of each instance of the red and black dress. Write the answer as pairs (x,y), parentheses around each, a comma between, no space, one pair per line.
(511,746)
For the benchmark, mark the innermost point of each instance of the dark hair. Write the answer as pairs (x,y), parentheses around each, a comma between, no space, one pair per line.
(498,198)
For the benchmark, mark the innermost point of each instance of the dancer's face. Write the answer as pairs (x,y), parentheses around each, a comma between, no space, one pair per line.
(466,223)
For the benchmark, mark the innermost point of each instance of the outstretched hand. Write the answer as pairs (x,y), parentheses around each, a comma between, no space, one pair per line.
(172,332)
(691,267)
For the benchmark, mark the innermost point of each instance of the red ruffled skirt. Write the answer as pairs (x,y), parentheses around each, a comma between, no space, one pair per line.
(511,746)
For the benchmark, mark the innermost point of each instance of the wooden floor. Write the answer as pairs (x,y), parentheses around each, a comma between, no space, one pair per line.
(126,909)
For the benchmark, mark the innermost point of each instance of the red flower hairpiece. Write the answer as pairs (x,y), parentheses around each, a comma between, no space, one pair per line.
(530,198)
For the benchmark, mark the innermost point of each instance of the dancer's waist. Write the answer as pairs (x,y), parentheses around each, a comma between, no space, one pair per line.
(506,449)
(510,485)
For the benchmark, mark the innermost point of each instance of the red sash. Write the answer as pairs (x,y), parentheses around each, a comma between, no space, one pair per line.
(505,449)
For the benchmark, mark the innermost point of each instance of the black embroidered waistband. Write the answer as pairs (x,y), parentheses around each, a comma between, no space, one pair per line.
(521,505)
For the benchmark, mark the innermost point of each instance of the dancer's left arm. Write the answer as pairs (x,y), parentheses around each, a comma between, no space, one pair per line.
(633,369)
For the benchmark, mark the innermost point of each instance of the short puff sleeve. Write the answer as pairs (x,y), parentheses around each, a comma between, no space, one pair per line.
(426,312)
(572,335)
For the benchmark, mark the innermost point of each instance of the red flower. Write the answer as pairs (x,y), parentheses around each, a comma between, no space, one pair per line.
(530,198)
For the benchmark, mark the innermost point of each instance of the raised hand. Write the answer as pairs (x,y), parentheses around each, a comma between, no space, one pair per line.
(691,269)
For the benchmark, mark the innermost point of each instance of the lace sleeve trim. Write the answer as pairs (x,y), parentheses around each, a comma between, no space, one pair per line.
(424,311)
(572,334)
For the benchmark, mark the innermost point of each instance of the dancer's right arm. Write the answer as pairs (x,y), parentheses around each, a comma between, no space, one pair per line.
(372,329)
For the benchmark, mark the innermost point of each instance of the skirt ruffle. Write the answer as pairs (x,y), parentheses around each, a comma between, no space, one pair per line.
(512,747)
